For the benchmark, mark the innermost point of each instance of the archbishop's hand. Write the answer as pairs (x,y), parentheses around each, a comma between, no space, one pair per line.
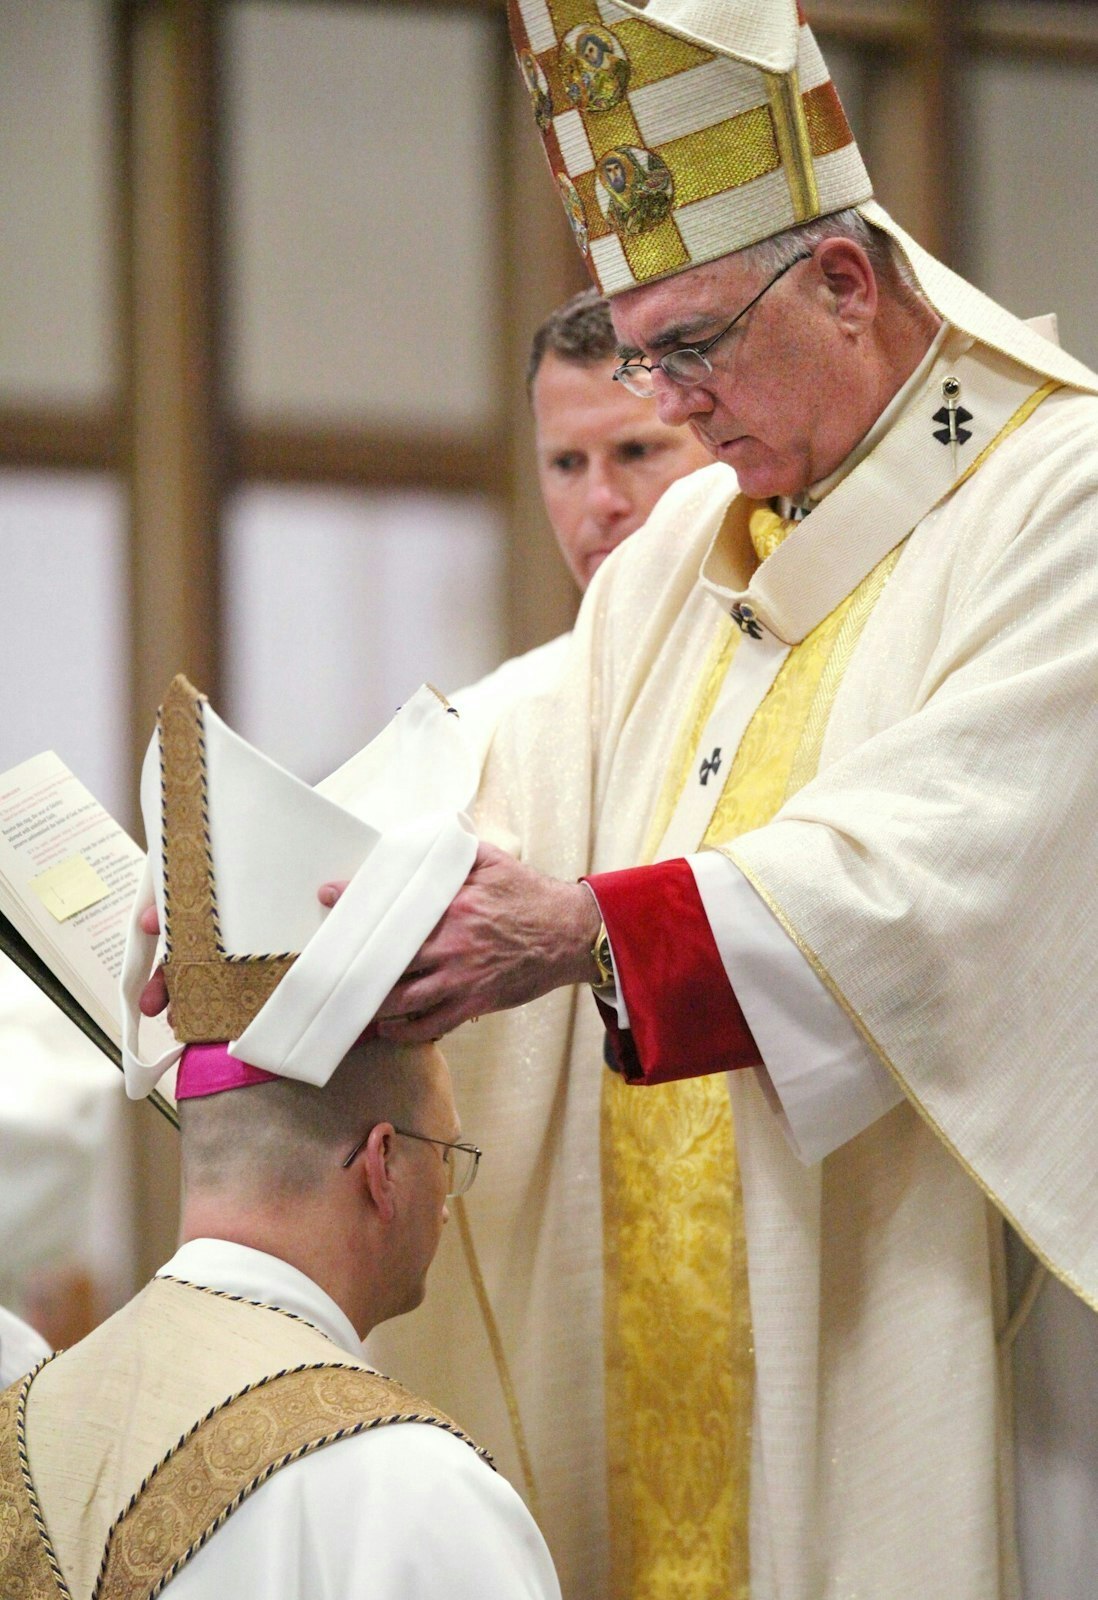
(510,935)
(154,996)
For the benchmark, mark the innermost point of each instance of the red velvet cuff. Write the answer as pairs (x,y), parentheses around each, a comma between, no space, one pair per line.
(684,1018)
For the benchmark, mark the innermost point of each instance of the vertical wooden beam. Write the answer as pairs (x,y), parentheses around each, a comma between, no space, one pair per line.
(174,425)
(540,268)
(915,132)
(945,132)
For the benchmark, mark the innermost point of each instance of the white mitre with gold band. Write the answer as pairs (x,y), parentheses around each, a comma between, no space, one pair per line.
(685,130)
(256,968)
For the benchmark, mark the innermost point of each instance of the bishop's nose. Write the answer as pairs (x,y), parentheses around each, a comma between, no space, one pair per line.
(677,403)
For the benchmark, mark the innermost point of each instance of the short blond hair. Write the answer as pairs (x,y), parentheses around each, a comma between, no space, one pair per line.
(284,1136)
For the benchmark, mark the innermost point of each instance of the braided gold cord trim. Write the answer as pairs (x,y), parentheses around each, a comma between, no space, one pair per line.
(29,1566)
(499,1355)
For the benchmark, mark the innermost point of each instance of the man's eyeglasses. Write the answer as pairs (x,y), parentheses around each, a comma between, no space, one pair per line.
(460,1160)
(689,365)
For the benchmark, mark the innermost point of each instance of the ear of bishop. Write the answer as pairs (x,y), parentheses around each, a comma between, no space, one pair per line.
(681,131)
(263,981)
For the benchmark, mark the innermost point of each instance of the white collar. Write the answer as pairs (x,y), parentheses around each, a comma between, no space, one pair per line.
(264,1279)
(816,491)
(872,510)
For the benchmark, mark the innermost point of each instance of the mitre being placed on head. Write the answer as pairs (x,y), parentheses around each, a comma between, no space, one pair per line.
(263,981)
(682,131)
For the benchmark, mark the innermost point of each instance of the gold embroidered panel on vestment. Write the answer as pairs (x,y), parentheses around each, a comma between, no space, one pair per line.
(229,1454)
(676,1406)
(679,1357)
(214,996)
(28,1569)
(759,780)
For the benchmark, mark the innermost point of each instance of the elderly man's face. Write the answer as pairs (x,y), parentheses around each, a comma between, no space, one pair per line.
(604,459)
(790,393)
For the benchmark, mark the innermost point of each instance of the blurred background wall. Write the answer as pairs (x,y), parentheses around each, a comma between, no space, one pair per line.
(268,271)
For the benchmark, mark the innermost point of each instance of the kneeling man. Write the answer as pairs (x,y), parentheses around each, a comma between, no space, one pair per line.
(223,1432)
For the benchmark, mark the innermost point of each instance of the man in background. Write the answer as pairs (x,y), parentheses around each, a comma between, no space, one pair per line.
(604,460)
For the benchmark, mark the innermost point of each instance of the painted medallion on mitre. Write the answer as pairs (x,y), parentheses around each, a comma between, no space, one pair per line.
(573,210)
(635,189)
(594,68)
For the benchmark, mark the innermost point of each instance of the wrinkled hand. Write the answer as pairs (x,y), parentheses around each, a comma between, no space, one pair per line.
(510,935)
(154,996)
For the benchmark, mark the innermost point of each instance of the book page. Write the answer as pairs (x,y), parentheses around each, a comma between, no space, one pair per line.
(68,875)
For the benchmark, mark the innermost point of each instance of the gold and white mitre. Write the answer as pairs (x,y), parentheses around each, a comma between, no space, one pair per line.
(680,132)
(238,848)
(684,130)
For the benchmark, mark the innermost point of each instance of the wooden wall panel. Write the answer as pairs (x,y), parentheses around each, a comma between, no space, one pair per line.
(173,429)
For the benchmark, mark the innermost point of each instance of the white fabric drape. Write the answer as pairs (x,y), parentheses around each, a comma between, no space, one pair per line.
(481,705)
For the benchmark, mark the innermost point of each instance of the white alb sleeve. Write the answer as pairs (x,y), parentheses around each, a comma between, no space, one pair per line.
(404,1512)
(829,1083)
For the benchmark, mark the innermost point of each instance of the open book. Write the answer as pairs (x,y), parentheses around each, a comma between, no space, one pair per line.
(68,876)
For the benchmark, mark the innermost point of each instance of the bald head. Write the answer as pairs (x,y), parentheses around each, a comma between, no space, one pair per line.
(283,1138)
(267,1167)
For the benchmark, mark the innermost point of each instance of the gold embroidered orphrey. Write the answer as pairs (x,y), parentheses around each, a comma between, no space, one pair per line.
(193,1490)
(214,995)
(683,1497)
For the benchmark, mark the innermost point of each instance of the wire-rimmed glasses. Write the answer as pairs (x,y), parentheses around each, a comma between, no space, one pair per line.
(688,365)
(460,1160)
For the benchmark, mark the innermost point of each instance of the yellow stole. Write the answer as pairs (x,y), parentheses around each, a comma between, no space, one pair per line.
(679,1359)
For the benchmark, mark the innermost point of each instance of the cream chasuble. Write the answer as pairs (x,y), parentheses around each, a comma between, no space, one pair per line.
(875,1447)
(262,1387)
(280,1469)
